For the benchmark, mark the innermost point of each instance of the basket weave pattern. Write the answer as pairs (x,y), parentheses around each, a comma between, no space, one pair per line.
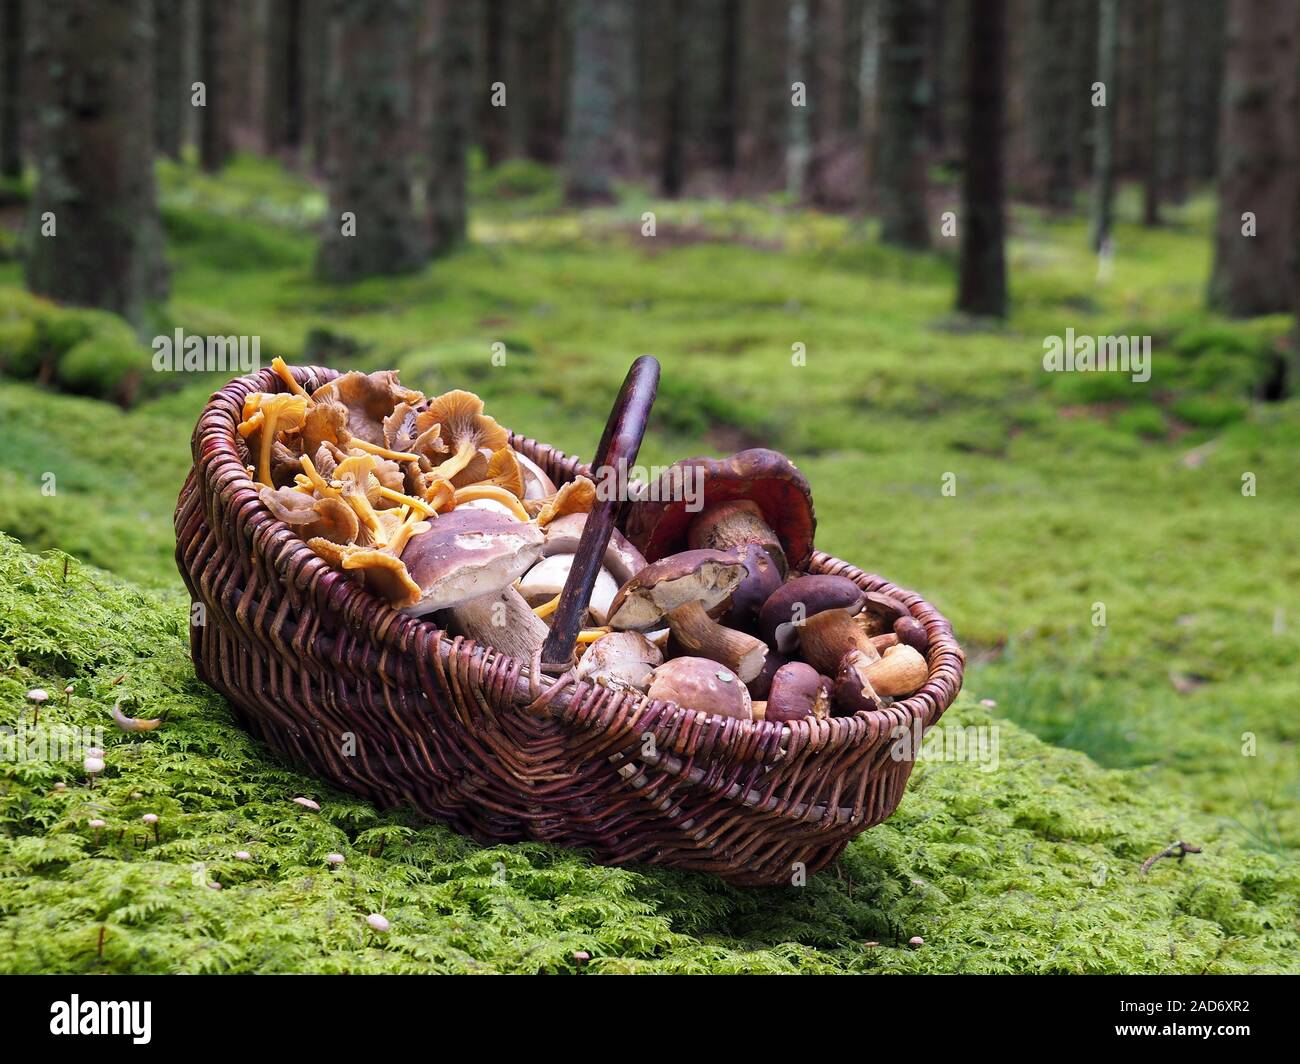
(393,709)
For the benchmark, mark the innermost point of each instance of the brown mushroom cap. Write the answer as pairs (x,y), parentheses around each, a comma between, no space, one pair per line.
(622,559)
(706,577)
(467,553)
(801,598)
(762,578)
(620,660)
(768,478)
(702,685)
(369,397)
(798,691)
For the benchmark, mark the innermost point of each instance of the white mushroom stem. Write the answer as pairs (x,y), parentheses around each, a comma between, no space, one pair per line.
(503,621)
(547,578)
(701,635)
(620,660)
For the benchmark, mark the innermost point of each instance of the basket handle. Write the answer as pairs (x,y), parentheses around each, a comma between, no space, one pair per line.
(620,443)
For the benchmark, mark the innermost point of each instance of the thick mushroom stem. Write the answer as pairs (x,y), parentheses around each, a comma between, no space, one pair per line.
(735,524)
(701,635)
(503,621)
(824,639)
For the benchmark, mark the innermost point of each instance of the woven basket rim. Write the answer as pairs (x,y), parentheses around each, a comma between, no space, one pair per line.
(218,464)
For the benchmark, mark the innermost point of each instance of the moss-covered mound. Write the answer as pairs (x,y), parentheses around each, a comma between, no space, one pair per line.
(1029,866)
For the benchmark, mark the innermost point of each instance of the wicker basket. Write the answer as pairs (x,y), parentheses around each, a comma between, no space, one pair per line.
(391,708)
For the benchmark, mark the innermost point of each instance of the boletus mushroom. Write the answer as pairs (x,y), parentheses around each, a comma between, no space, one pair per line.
(683,588)
(659,521)
(702,685)
(798,691)
(466,564)
(796,600)
(620,660)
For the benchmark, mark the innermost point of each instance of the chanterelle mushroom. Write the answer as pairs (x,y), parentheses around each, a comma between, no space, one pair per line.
(466,563)
(267,414)
(369,398)
(466,429)
(683,588)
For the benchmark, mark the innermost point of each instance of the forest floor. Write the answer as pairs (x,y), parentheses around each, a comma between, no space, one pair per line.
(1028,506)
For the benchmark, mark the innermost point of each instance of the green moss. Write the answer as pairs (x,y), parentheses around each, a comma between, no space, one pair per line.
(1032,867)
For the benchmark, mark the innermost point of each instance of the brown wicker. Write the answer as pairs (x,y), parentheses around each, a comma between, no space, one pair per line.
(391,708)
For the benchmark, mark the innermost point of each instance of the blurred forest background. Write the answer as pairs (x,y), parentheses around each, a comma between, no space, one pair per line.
(847,228)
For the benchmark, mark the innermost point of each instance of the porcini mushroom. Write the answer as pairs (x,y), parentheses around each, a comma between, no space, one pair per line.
(912,632)
(734,524)
(853,691)
(546,579)
(798,691)
(683,588)
(620,660)
(899,673)
(797,600)
(658,521)
(622,560)
(466,564)
(825,637)
(702,685)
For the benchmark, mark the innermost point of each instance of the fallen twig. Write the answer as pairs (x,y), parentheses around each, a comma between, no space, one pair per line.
(1177,849)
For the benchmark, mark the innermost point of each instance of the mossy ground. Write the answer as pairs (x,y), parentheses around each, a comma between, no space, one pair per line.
(1071,490)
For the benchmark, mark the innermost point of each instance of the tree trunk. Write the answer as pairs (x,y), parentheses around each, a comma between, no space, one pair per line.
(900,161)
(493,120)
(1103,148)
(599,95)
(1205,69)
(451,77)
(1151,18)
(11,88)
(170,91)
(94,157)
(314,46)
(1253,274)
(798,148)
(982,282)
(282,104)
(869,96)
(1052,92)
(371,228)
(672,174)
(1173,102)
(765,95)
(216,49)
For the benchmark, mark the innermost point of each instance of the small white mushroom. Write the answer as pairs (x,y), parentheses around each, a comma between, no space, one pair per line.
(93,766)
(95,751)
(334,859)
(38,695)
(60,787)
(379,923)
(546,579)
(307,803)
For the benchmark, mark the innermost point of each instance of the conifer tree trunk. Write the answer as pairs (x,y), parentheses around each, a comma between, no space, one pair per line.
(672,173)
(982,283)
(764,95)
(1052,93)
(216,51)
(1174,95)
(600,92)
(282,103)
(493,121)
(451,78)
(170,91)
(1253,253)
(798,149)
(12,37)
(94,157)
(1150,19)
(900,162)
(370,227)
(314,46)
(1103,148)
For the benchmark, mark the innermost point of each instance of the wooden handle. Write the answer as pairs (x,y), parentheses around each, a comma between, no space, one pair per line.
(620,444)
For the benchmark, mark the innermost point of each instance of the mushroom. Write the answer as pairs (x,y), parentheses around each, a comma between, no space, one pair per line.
(798,599)
(912,632)
(733,524)
(467,429)
(466,563)
(334,859)
(762,577)
(328,518)
(683,588)
(152,820)
(377,922)
(546,579)
(880,611)
(563,535)
(537,485)
(369,398)
(266,414)
(620,660)
(701,685)
(899,673)
(825,637)
(503,472)
(308,803)
(761,684)
(37,696)
(659,520)
(853,690)
(133,724)
(798,691)
(578,496)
